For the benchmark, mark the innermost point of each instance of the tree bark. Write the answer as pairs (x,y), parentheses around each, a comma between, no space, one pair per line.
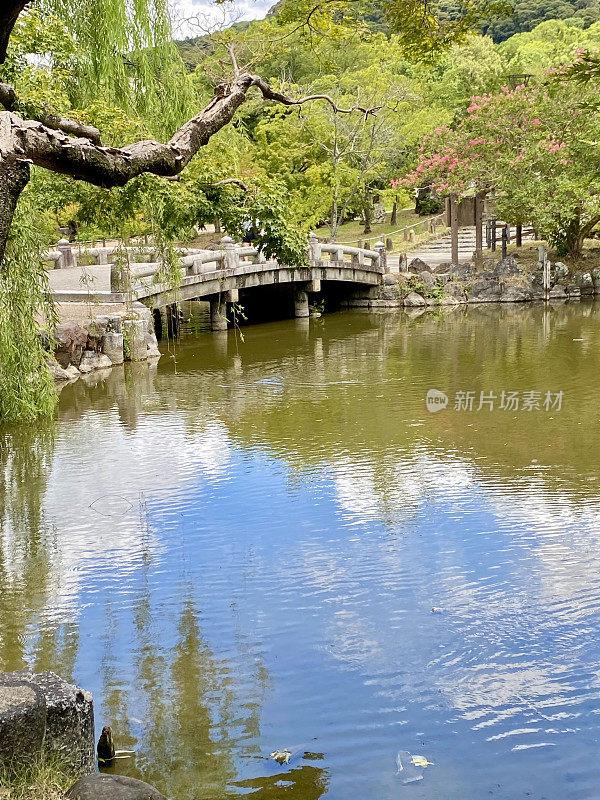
(14,176)
(8,16)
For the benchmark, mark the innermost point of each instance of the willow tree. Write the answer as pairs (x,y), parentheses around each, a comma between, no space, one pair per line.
(124,51)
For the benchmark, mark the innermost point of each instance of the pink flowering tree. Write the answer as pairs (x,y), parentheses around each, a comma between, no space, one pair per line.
(538,147)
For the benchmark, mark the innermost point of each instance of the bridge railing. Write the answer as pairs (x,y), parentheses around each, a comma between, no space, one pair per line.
(129,275)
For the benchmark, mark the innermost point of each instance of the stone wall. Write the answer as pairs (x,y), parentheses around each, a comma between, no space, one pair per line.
(102,342)
(505,281)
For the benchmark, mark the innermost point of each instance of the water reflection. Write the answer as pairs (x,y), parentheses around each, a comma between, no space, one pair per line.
(241,549)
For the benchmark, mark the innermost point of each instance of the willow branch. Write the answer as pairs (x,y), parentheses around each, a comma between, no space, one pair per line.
(10,101)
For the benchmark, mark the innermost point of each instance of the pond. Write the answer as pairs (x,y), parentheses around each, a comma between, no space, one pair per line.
(270,542)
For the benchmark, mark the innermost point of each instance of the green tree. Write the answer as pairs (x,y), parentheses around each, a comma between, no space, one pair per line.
(537,147)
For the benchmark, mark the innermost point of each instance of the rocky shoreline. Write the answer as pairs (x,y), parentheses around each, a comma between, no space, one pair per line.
(101,342)
(506,281)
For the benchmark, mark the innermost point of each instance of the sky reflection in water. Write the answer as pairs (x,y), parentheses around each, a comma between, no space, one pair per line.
(240,552)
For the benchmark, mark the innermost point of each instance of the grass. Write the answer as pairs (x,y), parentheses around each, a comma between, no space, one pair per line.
(527,255)
(44,780)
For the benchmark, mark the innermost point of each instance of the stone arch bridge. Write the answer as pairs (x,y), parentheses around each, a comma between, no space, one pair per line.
(224,276)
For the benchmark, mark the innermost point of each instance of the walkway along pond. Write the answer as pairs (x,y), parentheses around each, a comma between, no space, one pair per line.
(272,543)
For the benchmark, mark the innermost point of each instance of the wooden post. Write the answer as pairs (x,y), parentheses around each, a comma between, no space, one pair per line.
(478,226)
(543,259)
(493,234)
(519,235)
(454,229)
(504,242)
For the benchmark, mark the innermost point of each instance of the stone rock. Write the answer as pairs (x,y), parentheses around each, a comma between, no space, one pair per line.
(443,269)
(89,361)
(536,287)
(417,265)
(456,290)
(390,279)
(104,362)
(462,272)
(443,277)
(22,722)
(560,270)
(516,294)
(112,347)
(507,266)
(573,290)
(71,340)
(585,282)
(557,292)
(72,372)
(485,290)
(69,720)
(428,280)
(57,372)
(112,787)
(448,300)
(414,300)
(596,279)
(134,333)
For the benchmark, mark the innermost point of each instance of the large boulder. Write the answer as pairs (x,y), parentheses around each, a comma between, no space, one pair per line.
(112,787)
(22,722)
(585,283)
(414,300)
(485,290)
(417,265)
(71,340)
(68,719)
(456,290)
(462,272)
(516,293)
(508,266)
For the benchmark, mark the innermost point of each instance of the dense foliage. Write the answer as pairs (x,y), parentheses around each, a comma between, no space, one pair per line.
(536,147)
(113,64)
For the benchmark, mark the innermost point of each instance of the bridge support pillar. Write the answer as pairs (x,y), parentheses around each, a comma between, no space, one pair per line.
(301,303)
(218,313)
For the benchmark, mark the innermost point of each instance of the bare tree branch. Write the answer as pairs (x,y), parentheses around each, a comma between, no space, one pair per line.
(83,159)
(10,101)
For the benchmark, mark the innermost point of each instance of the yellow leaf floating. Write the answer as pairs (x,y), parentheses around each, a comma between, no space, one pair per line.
(421,761)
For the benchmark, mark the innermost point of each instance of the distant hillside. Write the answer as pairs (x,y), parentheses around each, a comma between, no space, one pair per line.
(527,14)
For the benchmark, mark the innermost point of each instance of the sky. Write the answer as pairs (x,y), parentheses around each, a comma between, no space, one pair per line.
(220,16)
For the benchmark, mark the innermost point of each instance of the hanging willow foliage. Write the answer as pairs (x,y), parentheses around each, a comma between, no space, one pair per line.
(26,386)
(126,57)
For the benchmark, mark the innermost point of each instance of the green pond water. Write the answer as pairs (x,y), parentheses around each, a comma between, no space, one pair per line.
(239,551)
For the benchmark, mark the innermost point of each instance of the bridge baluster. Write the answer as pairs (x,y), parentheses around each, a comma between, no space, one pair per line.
(231,257)
(314,249)
(380,247)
